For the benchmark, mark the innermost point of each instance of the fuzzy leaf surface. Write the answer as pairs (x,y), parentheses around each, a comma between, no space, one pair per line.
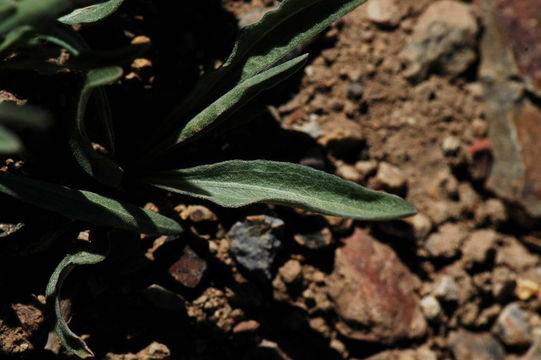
(237,183)
(69,339)
(232,100)
(260,46)
(86,206)
(96,165)
(92,13)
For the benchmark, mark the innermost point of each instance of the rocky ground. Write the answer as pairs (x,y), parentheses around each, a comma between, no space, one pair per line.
(424,99)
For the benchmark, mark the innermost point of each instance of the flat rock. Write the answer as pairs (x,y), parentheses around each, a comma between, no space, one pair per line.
(374,293)
(512,326)
(255,243)
(189,269)
(443,41)
(467,345)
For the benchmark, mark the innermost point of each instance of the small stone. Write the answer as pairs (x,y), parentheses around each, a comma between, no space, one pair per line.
(480,128)
(140,40)
(478,245)
(155,351)
(255,243)
(374,293)
(512,326)
(316,240)
(503,283)
(29,316)
(431,307)
(450,145)
(491,211)
(291,271)
(246,326)
(444,40)
(189,269)
(366,167)
(467,345)
(141,63)
(384,12)
(348,172)
(389,177)
(446,288)
(197,213)
(515,255)
(526,289)
(446,242)
(355,91)
(164,299)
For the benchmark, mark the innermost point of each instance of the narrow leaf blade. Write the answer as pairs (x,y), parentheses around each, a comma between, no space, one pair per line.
(98,166)
(86,206)
(92,13)
(69,339)
(227,104)
(237,183)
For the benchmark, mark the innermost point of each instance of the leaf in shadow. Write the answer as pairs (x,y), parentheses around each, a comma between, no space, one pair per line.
(92,13)
(237,183)
(69,339)
(86,206)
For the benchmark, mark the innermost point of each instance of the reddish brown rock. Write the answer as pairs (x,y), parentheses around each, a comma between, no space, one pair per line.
(374,293)
(189,268)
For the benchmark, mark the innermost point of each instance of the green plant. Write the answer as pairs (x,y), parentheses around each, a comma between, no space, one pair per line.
(31,31)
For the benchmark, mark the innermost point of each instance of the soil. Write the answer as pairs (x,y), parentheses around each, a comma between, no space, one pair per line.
(459,280)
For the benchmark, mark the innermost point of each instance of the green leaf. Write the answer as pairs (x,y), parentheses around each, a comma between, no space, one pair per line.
(260,46)
(98,166)
(9,142)
(92,13)
(222,108)
(68,338)
(86,206)
(23,116)
(237,183)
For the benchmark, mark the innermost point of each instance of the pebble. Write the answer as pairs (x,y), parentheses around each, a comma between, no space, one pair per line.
(526,289)
(374,292)
(291,272)
(515,255)
(355,91)
(246,326)
(348,172)
(316,240)
(431,307)
(467,345)
(444,40)
(366,167)
(478,245)
(446,288)
(196,213)
(389,177)
(512,326)
(451,145)
(189,269)
(447,241)
(384,12)
(491,211)
(255,243)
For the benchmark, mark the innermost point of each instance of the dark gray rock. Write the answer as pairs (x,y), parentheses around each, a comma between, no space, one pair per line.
(255,243)
(512,326)
(466,345)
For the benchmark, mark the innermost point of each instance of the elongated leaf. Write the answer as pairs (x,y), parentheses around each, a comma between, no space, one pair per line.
(68,338)
(260,46)
(86,206)
(9,142)
(237,183)
(231,101)
(22,117)
(98,166)
(92,13)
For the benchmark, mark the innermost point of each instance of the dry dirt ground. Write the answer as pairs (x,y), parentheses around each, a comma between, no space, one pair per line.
(391,99)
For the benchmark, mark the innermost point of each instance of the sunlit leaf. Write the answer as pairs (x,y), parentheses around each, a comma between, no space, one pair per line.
(92,13)
(237,183)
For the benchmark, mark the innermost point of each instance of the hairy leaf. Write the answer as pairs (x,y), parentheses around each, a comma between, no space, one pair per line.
(86,206)
(9,142)
(231,101)
(259,47)
(98,166)
(68,338)
(237,183)
(92,13)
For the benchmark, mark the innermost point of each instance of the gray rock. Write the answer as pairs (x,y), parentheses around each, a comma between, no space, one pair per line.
(255,243)
(355,91)
(431,307)
(512,326)
(444,41)
(466,345)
